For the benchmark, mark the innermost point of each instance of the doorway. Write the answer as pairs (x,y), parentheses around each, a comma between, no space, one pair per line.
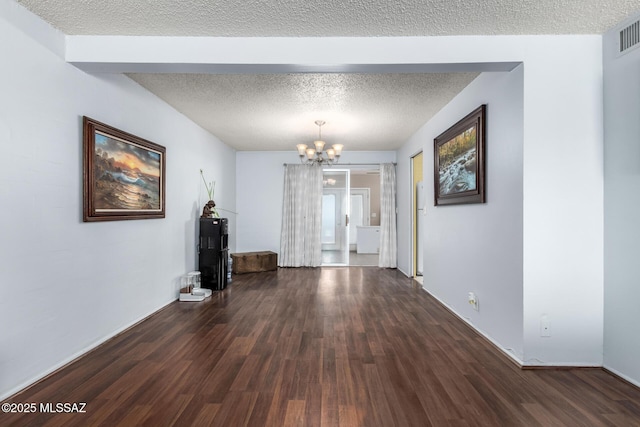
(351,206)
(365,233)
(335,217)
(417,214)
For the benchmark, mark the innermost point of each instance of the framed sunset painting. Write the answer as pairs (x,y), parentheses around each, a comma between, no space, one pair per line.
(124,175)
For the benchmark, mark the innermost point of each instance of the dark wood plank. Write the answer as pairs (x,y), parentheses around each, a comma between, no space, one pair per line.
(358,346)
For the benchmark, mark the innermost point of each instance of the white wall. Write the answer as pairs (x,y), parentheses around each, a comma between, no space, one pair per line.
(260,187)
(562,209)
(65,285)
(622,209)
(477,247)
(563,200)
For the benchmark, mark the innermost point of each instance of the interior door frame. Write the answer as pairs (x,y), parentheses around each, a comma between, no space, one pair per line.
(414,178)
(346,210)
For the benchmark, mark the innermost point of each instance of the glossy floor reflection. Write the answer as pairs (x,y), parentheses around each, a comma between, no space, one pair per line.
(355,259)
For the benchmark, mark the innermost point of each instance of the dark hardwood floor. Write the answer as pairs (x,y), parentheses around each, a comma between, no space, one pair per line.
(358,346)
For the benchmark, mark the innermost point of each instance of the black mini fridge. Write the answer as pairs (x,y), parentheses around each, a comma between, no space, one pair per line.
(213,253)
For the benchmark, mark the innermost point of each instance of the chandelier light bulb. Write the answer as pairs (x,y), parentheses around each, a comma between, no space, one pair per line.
(315,154)
(310,153)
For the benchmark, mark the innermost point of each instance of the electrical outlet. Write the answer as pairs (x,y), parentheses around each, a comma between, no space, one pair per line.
(545,326)
(473,300)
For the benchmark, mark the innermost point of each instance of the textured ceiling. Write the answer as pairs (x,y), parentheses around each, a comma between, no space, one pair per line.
(362,111)
(277,111)
(296,18)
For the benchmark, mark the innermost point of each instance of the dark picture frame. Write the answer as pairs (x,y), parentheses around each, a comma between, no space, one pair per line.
(459,161)
(124,175)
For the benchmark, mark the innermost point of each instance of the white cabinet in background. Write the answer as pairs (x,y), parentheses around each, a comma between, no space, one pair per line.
(368,239)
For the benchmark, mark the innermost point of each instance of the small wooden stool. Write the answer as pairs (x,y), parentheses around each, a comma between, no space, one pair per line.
(254,262)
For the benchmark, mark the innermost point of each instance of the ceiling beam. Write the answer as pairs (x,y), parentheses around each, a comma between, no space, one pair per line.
(129,54)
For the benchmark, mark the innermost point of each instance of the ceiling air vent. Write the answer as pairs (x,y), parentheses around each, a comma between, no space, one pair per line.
(629,37)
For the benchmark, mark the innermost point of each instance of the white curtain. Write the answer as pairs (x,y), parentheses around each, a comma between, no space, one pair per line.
(388,240)
(301,217)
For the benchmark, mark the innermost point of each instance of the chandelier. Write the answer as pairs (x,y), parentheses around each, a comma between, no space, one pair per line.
(316,155)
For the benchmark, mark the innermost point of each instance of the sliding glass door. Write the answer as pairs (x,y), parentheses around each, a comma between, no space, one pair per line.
(335,217)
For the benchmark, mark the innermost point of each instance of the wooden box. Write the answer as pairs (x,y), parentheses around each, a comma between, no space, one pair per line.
(253,262)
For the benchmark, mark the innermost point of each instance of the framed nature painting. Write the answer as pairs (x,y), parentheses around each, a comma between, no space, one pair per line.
(459,161)
(124,175)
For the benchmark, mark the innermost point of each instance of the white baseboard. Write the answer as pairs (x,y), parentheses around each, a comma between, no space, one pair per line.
(628,379)
(518,360)
(403,272)
(78,354)
(507,352)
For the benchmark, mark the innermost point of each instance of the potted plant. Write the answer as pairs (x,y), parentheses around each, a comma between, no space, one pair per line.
(209,210)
